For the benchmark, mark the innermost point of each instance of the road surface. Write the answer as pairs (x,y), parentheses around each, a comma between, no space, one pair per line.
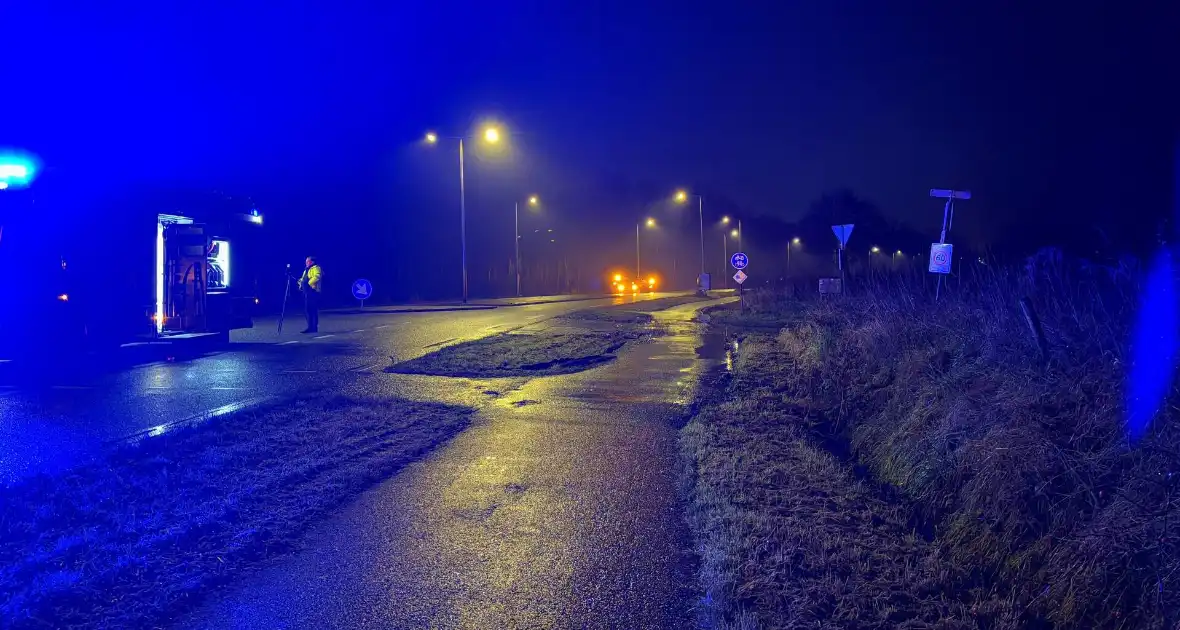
(557,509)
(58,423)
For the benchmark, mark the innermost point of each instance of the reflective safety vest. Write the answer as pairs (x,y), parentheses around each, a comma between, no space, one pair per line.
(311,278)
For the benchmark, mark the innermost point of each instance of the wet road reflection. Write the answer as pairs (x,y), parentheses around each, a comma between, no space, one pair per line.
(557,509)
(57,422)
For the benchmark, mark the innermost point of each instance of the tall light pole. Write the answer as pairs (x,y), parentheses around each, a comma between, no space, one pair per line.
(533,201)
(491,135)
(682,197)
(725,234)
(651,223)
(794,241)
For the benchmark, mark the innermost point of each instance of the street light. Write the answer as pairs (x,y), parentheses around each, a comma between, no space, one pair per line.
(875,250)
(533,201)
(651,223)
(682,197)
(490,135)
(725,249)
(794,241)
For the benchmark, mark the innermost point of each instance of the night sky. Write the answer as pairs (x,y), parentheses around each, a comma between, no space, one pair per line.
(1056,115)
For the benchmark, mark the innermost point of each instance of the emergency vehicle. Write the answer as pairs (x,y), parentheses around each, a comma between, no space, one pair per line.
(91,267)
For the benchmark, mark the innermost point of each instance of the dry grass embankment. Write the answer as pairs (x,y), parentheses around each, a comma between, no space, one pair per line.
(1035,509)
(136,539)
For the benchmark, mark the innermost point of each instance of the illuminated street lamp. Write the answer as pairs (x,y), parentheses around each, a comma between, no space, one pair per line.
(650,223)
(794,241)
(725,236)
(491,135)
(533,201)
(682,197)
(875,250)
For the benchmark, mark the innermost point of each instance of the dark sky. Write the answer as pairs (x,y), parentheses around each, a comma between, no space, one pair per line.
(1050,112)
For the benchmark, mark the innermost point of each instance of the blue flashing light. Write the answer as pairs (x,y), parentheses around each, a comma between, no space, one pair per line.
(1153,348)
(16,170)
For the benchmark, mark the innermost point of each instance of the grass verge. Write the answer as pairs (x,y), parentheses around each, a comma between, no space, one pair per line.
(543,353)
(634,313)
(1036,509)
(142,536)
(580,341)
(788,535)
(764,310)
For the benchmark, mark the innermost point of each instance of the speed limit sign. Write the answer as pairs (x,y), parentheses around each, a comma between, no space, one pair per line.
(941,255)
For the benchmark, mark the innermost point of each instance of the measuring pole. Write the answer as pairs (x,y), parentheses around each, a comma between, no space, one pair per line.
(286,295)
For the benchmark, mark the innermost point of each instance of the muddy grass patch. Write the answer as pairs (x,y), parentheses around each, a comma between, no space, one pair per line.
(764,310)
(145,534)
(544,353)
(637,313)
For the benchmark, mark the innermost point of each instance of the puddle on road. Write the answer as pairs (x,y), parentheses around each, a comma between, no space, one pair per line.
(717,348)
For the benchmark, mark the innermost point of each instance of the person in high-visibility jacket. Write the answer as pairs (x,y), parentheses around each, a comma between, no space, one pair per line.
(311,283)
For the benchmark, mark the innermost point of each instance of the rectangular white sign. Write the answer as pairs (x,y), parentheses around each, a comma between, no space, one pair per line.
(941,255)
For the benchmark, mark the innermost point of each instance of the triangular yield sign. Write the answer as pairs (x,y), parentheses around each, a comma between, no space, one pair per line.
(843,232)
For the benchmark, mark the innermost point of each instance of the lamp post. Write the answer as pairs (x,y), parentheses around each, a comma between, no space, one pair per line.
(651,223)
(533,201)
(491,135)
(794,241)
(682,197)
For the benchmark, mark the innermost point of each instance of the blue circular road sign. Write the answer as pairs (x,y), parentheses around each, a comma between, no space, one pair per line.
(739,260)
(362,289)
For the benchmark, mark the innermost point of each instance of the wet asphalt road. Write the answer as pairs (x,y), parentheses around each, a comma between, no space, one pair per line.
(557,509)
(58,423)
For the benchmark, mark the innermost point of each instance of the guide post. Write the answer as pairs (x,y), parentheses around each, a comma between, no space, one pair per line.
(740,261)
(942,249)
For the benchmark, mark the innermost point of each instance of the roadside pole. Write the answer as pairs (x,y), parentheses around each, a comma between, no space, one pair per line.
(843,233)
(740,261)
(942,252)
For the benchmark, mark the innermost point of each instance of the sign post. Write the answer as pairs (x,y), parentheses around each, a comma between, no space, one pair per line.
(740,261)
(842,232)
(362,290)
(942,247)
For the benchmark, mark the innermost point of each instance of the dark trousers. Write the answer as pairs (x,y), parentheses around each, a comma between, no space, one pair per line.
(311,299)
